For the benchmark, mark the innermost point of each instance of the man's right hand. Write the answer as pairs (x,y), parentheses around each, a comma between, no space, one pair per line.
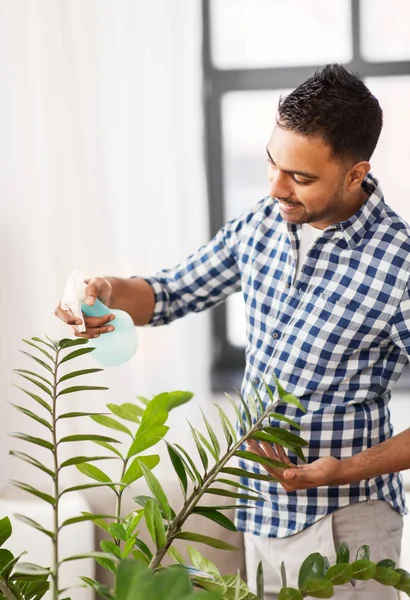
(97,287)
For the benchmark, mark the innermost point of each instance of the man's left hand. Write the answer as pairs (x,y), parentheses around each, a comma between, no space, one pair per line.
(318,473)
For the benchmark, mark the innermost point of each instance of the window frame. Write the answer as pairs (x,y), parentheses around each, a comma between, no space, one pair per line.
(228,360)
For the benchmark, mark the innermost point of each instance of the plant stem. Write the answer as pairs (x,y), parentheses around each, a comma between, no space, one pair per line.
(197,493)
(119,498)
(55,565)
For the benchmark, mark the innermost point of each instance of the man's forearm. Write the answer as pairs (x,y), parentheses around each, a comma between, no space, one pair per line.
(134,296)
(390,456)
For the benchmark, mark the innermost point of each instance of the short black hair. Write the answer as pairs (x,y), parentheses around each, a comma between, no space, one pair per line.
(336,105)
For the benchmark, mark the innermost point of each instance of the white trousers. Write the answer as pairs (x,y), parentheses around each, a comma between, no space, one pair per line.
(374,523)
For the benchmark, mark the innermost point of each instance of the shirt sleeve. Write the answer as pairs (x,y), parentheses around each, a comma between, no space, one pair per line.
(400,332)
(206,278)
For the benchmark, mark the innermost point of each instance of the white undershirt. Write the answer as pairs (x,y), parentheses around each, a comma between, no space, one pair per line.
(308,235)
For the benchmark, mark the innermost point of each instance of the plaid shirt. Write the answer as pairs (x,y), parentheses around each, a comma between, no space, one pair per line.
(338,338)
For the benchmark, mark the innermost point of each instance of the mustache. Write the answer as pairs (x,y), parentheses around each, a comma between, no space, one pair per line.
(288,201)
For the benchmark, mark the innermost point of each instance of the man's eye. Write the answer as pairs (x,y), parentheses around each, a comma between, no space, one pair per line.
(300,181)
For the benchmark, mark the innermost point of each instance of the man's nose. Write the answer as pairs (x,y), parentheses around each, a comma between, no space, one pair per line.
(279,185)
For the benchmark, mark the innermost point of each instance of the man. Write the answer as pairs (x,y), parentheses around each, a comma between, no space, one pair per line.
(324,267)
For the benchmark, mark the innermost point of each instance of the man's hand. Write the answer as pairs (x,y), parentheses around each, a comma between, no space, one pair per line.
(321,472)
(97,288)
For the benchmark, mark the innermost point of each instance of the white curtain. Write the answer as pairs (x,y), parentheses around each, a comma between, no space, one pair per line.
(101,169)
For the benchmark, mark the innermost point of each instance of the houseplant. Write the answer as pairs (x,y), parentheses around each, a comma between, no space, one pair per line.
(125,552)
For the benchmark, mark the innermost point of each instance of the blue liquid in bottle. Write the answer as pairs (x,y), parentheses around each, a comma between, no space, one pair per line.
(115,347)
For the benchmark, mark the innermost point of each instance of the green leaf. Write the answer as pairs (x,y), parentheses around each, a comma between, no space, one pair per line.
(71,415)
(87,437)
(33,440)
(170,400)
(127,411)
(273,439)
(290,594)
(247,474)
(94,473)
(5,557)
(313,567)
(286,396)
(363,569)
(33,416)
(318,588)
(363,553)
(202,454)
(179,468)
(247,413)
(215,516)
(69,343)
(78,374)
(87,517)
(212,437)
(252,407)
(87,555)
(259,581)
(229,494)
(78,460)
(144,548)
(279,417)
(85,486)
(156,488)
(176,555)
(228,430)
(343,553)
(111,423)
(202,563)
(404,583)
(236,485)
(285,437)
(238,412)
(81,388)
(207,445)
(31,490)
(5,530)
(339,574)
(134,471)
(75,354)
(387,576)
(37,339)
(117,530)
(191,463)
(110,448)
(154,419)
(268,462)
(40,349)
(24,372)
(35,397)
(35,525)
(146,439)
(204,539)
(38,361)
(31,461)
(155,524)
(386,562)
(129,546)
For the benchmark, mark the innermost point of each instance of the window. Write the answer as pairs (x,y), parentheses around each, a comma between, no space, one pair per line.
(255,51)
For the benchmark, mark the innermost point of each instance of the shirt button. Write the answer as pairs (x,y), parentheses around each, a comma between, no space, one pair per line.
(256,380)
(275,335)
(288,285)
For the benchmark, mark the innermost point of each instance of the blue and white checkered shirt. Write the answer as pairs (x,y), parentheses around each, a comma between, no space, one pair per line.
(338,338)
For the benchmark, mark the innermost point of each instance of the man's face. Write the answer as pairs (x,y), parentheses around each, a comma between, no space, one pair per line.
(307,181)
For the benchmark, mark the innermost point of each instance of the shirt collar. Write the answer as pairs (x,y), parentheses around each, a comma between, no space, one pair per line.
(355,228)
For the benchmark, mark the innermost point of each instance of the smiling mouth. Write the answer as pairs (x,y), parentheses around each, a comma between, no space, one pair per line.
(288,206)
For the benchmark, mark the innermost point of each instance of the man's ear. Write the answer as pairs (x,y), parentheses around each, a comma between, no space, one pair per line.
(356,175)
